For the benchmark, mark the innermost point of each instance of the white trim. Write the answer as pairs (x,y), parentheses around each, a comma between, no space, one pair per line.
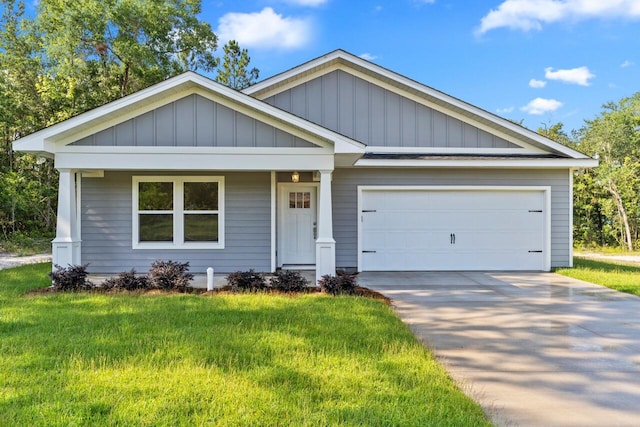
(280,212)
(178,212)
(274,201)
(383,77)
(51,138)
(176,161)
(79,177)
(571,218)
(479,163)
(173,150)
(545,189)
(92,174)
(451,150)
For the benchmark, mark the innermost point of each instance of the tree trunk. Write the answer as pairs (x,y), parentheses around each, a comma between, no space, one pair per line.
(623,215)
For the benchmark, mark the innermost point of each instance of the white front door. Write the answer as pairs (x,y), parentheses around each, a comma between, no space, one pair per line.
(298,216)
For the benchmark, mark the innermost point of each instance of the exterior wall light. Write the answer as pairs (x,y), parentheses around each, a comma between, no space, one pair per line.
(295,177)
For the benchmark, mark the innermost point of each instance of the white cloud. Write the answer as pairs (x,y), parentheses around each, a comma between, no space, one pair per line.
(626,64)
(505,110)
(538,84)
(579,76)
(307,2)
(529,15)
(368,56)
(264,29)
(540,106)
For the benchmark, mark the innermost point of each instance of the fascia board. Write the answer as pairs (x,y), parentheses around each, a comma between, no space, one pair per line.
(449,150)
(439,99)
(51,138)
(119,106)
(494,164)
(294,73)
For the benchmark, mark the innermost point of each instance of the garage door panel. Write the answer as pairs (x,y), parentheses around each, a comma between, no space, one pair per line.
(453,230)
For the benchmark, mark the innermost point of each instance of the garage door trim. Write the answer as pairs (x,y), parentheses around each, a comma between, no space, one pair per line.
(546,190)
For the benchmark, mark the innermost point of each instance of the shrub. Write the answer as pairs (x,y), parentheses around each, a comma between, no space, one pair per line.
(340,284)
(289,281)
(128,280)
(170,275)
(72,278)
(246,281)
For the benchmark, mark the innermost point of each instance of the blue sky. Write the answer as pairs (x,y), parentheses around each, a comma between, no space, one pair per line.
(541,61)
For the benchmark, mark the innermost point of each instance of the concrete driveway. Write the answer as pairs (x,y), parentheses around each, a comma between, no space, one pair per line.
(534,349)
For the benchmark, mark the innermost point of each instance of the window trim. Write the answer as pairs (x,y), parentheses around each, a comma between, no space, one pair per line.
(178,213)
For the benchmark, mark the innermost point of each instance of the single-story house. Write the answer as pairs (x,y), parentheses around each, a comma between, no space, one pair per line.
(335,164)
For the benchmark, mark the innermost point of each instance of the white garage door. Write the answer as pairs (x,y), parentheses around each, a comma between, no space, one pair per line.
(452,230)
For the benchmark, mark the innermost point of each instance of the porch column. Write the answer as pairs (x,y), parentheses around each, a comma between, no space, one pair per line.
(325,245)
(66,245)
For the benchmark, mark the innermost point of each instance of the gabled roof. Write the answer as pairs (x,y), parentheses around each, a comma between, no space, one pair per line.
(339,59)
(45,141)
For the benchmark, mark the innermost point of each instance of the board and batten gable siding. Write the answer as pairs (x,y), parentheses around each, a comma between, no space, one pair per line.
(194,121)
(345,200)
(379,117)
(106,215)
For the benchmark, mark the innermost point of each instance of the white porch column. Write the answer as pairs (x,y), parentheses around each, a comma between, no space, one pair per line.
(66,245)
(325,245)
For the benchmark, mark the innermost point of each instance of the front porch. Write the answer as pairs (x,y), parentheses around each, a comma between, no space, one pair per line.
(255,229)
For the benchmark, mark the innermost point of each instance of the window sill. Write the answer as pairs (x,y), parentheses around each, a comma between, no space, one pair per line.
(173,246)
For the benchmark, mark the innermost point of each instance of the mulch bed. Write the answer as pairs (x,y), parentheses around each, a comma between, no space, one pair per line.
(225,290)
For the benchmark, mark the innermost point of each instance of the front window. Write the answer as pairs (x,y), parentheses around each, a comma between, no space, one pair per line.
(177,212)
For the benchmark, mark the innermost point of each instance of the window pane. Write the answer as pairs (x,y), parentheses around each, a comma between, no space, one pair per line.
(155,196)
(156,228)
(292,200)
(200,228)
(201,196)
(307,200)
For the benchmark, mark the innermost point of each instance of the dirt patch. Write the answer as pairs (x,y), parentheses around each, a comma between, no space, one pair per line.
(634,259)
(8,260)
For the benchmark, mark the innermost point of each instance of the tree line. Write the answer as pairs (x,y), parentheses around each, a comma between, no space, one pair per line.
(607,198)
(69,56)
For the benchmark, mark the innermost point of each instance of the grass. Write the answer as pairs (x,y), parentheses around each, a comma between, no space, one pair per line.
(615,275)
(96,359)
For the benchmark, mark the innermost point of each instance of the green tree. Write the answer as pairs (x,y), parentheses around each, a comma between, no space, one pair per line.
(73,56)
(102,50)
(233,72)
(614,138)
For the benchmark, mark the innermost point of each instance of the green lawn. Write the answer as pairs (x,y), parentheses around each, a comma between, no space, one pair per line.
(100,359)
(619,276)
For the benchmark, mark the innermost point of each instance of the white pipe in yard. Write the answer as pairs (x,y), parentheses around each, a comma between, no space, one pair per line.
(210,279)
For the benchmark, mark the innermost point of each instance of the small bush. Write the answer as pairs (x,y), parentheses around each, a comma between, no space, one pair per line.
(336,285)
(246,281)
(170,275)
(128,280)
(72,278)
(289,281)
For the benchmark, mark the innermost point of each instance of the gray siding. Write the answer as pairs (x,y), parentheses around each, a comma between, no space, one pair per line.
(193,121)
(378,117)
(106,227)
(345,200)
